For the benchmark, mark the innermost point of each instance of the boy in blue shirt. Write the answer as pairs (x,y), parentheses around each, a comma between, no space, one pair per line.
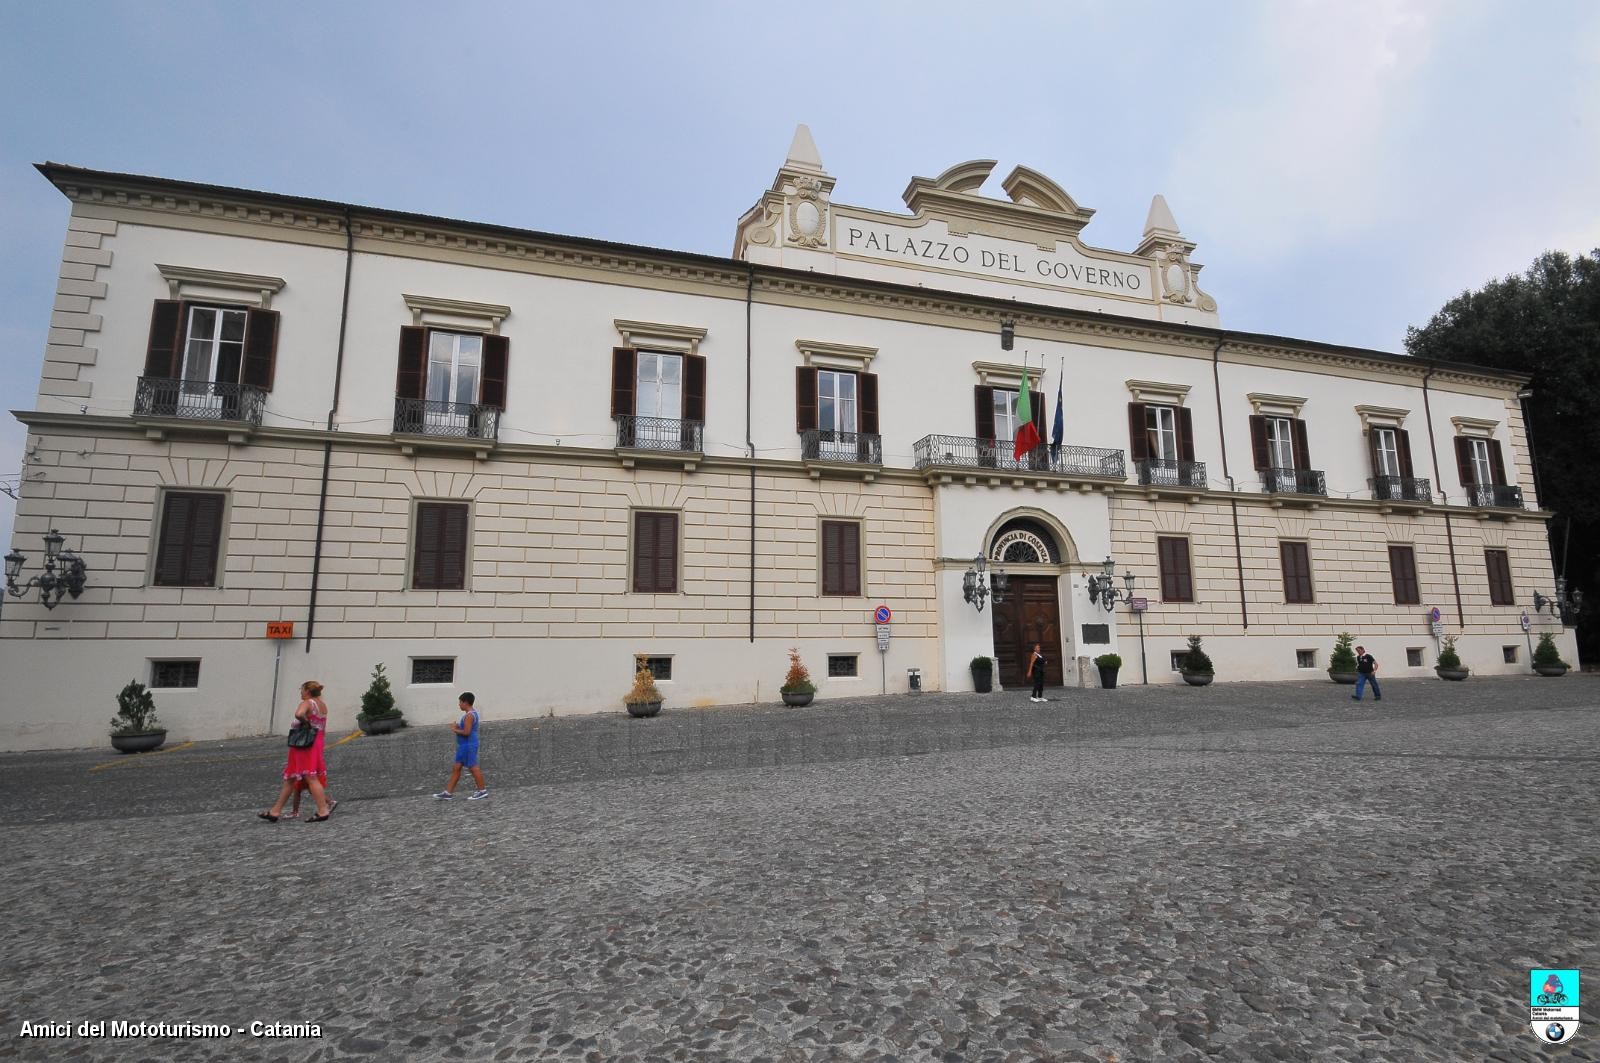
(466,732)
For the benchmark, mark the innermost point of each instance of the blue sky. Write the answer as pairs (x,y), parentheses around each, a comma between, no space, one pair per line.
(1345,167)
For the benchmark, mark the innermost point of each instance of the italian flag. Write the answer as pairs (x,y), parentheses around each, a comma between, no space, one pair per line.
(1027,433)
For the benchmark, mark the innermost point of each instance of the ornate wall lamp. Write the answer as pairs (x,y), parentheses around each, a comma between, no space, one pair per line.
(1563,605)
(1102,588)
(973,589)
(64,572)
(1008,334)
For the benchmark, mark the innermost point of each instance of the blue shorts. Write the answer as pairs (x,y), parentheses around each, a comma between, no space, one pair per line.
(467,754)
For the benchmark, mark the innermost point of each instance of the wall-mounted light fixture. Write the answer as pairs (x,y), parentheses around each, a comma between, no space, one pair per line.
(1008,334)
(1564,605)
(1103,589)
(64,572)
(973,590)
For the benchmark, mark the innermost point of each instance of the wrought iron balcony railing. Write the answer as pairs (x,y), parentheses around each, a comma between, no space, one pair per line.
(458,420)
(966,452)
(1401,489)
(1494,496)
(1294,482)
(1165,472)
(861,448)
(199,400)
(667,434)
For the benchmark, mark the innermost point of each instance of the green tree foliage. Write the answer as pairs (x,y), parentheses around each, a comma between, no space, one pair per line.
(377,701)
(1545,323)
(1344,658)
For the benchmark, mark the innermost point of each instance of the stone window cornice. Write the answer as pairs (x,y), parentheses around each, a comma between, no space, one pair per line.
(824,355)
(1153,391)
(1268,405)
(682,339)
(1381,417)
(192,282)
(1481,427)
(458,313)
(1001,375)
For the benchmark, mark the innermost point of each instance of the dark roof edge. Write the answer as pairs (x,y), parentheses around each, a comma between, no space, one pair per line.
(56,173)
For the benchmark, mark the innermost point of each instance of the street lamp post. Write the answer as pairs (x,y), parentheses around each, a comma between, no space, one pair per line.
(64,572)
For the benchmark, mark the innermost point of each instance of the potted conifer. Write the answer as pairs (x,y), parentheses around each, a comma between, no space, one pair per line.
(379,714)
(1197,669)
(1547,659)
(135,729)
(797,689)
(1449,665)
(644,698)
(982,674)
(1108,663)
(1342,665)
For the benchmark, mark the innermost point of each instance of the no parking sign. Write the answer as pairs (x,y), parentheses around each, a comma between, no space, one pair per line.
(881,617)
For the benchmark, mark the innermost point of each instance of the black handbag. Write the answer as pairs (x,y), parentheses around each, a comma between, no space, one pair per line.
(302,735)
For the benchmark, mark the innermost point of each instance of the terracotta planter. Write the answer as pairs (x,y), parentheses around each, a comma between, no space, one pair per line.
(138,743)
(1551,670)
(1455,675)
(644,708)
(797,700)
(1347,678)
(381,726)
(1198,679)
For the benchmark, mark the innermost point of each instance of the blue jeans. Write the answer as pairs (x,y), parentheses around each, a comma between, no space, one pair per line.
(1362,679)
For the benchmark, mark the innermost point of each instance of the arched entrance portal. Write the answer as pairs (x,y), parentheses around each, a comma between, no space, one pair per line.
(1031,611)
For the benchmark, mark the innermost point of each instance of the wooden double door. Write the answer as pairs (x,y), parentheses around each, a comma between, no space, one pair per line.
(1031,613)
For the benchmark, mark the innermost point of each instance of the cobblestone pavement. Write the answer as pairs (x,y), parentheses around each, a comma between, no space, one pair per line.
(1233,872)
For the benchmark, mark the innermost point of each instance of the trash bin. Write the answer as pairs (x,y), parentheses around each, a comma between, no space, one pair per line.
(914,677)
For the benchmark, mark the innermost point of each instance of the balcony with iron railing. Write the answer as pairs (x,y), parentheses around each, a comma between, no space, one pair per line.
(1167,472)
(850,453)
(666,440)
(1401,489)
(1310,482)
(948,456)
(451,425)
(1494,496)
(201,401)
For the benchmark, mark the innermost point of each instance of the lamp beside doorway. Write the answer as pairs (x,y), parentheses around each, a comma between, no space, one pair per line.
(973,589)
(1103,589)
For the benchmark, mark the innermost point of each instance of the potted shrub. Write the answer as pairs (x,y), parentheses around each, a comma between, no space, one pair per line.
(1108,663)
(378,715)
(1197,669)
(135,729)
(1342,665)
(1449,665)
(1547,659)
(983,674)
(643,698)
(797,689)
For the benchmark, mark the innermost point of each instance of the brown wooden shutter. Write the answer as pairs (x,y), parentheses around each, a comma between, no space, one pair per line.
(161,356)
(1177,584)
(1296,563)
(1497,462)
(1374,455)
(1138,431)
(190,538)
(841,558)
(869,402)
(1258,442)
(644,553)
(1403,574)
(831,577)
(1185,434)
(1302,452)
(425,550)
(496,361)
(1402,444)
(411,377)
(694,387)
(983,412)
(1464,461)
(440,552)
(850,542)
(1499,565)
(805,398)
(453,549)
(623,379)
(260,348)
(666,553)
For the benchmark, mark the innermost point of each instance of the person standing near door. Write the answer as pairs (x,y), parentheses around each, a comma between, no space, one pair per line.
(1036,672)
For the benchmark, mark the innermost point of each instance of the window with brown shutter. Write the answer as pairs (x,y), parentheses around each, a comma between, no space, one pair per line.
(1403,574)
(190,539)
(841,558)
(655,553)
(1172,552)
(1296,561)
(1138,432)
(805,398)
(439,557)
(1499,565)
(250,359)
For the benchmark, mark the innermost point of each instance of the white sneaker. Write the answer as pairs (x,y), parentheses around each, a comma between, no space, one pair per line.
(479,795)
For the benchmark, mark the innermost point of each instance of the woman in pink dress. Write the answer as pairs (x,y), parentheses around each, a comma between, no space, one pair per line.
(306,765)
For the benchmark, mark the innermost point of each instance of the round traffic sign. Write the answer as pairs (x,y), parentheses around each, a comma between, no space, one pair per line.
(1435,615)
(881,614)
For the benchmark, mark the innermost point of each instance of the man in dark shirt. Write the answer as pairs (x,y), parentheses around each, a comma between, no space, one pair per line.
(1366,672)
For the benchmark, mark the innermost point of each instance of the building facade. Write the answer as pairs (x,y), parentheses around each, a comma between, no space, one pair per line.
(513,462)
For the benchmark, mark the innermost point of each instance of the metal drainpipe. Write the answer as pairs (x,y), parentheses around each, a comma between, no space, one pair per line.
(1233,503)
(749,442)
(1438,478)
(327,444)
